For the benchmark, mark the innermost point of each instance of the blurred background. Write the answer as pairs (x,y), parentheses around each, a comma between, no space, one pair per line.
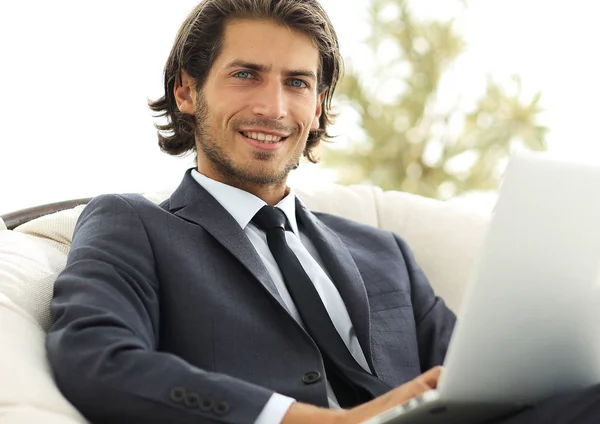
(437,94)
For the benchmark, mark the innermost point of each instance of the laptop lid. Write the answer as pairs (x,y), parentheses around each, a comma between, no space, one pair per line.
(529,327)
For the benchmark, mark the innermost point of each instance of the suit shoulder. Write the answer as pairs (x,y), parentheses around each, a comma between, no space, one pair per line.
(118,207)
(122,200)
(340,224)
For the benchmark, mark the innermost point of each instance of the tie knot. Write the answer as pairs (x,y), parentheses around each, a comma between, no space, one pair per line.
(269,217)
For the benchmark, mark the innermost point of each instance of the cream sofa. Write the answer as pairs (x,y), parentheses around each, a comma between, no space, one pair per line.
(444,238)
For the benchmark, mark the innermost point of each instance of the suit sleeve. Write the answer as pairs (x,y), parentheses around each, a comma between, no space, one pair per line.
(102,345)
(434,320)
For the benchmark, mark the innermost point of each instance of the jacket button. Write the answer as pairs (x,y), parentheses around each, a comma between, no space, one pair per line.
(178,394)
(192,400)
(206,404)
(311,377)
(221,408)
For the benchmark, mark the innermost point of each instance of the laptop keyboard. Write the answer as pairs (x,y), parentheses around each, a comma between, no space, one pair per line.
(425,397)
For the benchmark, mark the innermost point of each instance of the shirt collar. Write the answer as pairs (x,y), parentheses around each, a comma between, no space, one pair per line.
(241,205)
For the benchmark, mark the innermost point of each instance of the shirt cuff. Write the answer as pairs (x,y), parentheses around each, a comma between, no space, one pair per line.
(275,409)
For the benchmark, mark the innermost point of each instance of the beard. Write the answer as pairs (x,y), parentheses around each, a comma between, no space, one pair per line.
(241,174)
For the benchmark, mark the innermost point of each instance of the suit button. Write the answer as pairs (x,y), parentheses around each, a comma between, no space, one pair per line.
(311,377)
(221,408)
(178,394)
(192,400)
(206,404)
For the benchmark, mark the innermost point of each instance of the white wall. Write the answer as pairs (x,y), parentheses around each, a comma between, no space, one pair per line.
(75,77)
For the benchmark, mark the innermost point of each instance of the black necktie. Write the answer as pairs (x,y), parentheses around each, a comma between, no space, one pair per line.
(351,383)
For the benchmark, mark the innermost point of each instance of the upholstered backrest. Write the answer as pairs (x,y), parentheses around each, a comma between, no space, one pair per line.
(444,239)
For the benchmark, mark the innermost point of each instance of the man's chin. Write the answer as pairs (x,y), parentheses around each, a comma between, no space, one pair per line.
(262,178)
(255,175)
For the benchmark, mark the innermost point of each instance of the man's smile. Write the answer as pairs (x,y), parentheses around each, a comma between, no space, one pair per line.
(263,136)
(263,141)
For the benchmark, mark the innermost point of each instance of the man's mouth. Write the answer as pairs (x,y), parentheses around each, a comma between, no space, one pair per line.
(262,137)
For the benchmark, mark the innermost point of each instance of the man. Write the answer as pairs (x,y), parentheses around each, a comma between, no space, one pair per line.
(216,306)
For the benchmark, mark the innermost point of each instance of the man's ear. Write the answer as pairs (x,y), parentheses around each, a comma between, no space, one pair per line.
(318,111)
(185,93)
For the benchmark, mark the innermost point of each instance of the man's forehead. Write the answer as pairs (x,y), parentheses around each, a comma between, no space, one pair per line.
(269,45)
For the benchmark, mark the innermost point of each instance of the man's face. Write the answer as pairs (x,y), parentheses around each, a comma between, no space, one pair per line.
(258,104)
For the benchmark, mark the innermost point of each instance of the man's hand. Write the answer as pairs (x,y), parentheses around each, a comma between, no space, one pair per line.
(302,413)
(398,396)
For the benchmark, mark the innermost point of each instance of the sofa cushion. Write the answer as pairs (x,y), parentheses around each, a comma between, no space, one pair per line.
(29,264)
(28,393)
(31,256)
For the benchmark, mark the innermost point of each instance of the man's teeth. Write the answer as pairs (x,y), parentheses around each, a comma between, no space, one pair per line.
(265,138)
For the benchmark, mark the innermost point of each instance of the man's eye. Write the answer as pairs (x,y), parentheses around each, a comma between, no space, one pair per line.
(296,83)
(243,75)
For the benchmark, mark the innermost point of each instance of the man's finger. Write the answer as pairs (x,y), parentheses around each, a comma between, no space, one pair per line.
(431,377)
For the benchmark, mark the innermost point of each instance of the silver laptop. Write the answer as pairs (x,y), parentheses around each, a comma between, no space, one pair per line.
(529,326)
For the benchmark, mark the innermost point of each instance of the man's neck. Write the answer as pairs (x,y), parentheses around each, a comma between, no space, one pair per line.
(271,194)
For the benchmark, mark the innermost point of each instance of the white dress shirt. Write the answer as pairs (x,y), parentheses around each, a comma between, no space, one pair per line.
(243,206)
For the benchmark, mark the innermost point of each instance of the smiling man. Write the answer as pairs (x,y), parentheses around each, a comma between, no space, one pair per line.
(231,302)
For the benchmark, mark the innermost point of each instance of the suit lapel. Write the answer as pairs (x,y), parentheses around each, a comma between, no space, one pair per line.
(190,201)
(344,273)
(193,203)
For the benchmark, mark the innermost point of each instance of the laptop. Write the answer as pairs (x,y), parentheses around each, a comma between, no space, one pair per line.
(529,326)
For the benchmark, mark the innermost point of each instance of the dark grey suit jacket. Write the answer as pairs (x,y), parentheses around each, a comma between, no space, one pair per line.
(166,314)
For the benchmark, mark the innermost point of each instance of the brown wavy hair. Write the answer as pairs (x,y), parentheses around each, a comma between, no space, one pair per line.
(199,42)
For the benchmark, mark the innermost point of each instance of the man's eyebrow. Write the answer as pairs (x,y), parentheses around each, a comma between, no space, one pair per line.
(248,65)
(263,68)
(301,73)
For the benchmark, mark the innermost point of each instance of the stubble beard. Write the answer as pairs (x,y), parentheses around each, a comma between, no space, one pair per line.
(236,174)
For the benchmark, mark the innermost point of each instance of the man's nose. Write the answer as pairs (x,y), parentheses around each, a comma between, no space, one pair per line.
(270,101)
